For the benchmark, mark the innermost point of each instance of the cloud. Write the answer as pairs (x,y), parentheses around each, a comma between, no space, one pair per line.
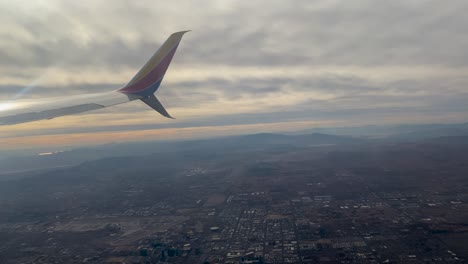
(256,33)
(245,62)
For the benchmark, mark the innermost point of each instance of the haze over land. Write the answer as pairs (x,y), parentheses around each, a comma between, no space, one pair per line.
(307,131)
(263,198)
(247,67)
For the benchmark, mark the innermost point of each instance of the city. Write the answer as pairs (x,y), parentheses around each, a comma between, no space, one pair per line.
(276,204)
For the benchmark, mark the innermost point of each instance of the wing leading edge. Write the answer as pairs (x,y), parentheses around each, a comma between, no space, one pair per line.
(142,86)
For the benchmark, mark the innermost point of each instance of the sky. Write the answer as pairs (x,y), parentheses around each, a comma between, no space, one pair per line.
(246,66)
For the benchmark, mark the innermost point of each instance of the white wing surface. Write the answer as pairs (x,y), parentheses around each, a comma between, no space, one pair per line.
(143,86)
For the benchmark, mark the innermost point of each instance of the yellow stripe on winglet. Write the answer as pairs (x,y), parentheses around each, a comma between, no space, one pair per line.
(170,43)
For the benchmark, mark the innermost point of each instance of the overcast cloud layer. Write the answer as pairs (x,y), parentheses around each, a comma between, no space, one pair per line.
(246,63)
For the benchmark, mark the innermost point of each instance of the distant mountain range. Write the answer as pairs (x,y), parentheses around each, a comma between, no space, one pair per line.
(207,146)
(408,131)
(218,146)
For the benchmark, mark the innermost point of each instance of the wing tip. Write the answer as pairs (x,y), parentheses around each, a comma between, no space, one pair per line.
(180,33)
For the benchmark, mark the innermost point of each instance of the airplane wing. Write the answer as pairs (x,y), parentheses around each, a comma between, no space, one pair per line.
(142,87)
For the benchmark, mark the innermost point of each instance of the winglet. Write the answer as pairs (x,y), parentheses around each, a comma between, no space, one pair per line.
(148,79)
(154,103)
